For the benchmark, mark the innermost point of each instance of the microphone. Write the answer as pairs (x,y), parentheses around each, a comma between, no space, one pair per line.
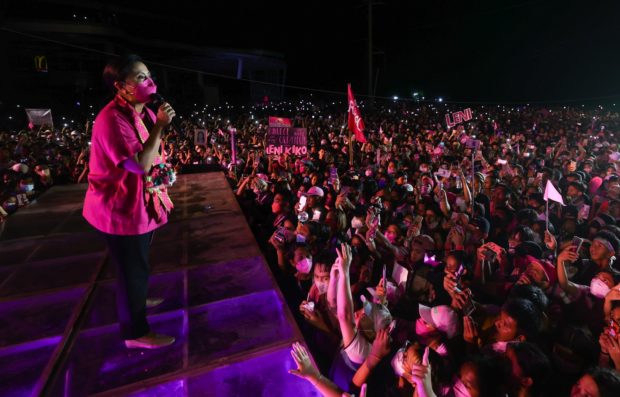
(157,101)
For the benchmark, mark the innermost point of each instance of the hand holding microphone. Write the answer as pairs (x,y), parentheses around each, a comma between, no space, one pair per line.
(165,112)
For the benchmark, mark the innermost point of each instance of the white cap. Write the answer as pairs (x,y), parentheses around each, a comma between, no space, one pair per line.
(315,191)
(23,168)
(443,318)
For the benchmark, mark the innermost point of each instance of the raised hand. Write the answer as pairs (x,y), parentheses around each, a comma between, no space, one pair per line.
(569,254)
(345,256)
(305,367)
(422,376)
(550,240)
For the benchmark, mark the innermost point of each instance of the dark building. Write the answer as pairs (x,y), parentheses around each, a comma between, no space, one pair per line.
(39,69)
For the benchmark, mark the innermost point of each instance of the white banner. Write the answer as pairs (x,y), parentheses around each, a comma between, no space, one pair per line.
(40,117)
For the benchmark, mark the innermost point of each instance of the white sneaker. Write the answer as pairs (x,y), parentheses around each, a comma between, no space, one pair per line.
(150,341)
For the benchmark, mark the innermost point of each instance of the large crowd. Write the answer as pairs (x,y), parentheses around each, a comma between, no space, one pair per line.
(424,262)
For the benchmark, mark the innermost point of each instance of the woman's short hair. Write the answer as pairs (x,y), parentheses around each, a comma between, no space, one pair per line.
(117,69)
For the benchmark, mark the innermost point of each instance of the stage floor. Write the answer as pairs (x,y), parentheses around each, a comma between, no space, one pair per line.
(58,328)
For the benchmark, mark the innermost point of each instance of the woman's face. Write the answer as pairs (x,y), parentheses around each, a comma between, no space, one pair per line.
(452,264)
(417,253)
(598,251)
(392,233)
(606,278)
(139,74)
(279,205)
(585,387)
(430,218)
(469,376)
(289,225)
(506,327)
(536,273)
(411,358)
(320,274)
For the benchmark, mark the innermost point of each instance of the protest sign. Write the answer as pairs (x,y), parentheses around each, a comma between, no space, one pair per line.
(40,117)
(458,117)
(200,137)
(286,140)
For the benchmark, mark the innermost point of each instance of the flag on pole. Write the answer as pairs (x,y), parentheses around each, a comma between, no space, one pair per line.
(552,194)
(356,124)
(280,122)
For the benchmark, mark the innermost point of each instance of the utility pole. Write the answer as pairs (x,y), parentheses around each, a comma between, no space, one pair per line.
(370,85)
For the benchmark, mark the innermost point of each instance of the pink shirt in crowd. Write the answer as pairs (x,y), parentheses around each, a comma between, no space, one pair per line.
(115,202)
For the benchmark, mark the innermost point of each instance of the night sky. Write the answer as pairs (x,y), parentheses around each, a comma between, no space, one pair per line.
(461,50)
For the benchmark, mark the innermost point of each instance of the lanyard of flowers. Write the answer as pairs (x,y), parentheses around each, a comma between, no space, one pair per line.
(160,176)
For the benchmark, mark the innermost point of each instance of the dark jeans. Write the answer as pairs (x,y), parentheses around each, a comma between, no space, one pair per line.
(130,254)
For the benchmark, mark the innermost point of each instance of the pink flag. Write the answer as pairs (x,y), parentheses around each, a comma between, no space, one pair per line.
(356,124)
(552,194)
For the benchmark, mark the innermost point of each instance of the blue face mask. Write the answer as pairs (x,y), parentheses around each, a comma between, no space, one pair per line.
(28,187)
(10,207)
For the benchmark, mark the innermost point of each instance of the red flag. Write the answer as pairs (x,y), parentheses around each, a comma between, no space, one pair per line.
(280,122)
(356,124)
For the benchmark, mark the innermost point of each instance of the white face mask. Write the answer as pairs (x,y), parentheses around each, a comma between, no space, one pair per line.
(356,223)
(500,347)
(322,287)
(598,288)
(460,390)
(397,362)
(304,265)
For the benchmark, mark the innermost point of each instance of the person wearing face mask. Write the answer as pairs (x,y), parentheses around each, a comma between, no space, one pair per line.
(9,205)
(26,185)
(358,327)
(602,258)
(324,335)
(126,147)
(592,294)
(518,320)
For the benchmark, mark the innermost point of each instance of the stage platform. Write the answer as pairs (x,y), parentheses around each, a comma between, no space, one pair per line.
(58,329)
